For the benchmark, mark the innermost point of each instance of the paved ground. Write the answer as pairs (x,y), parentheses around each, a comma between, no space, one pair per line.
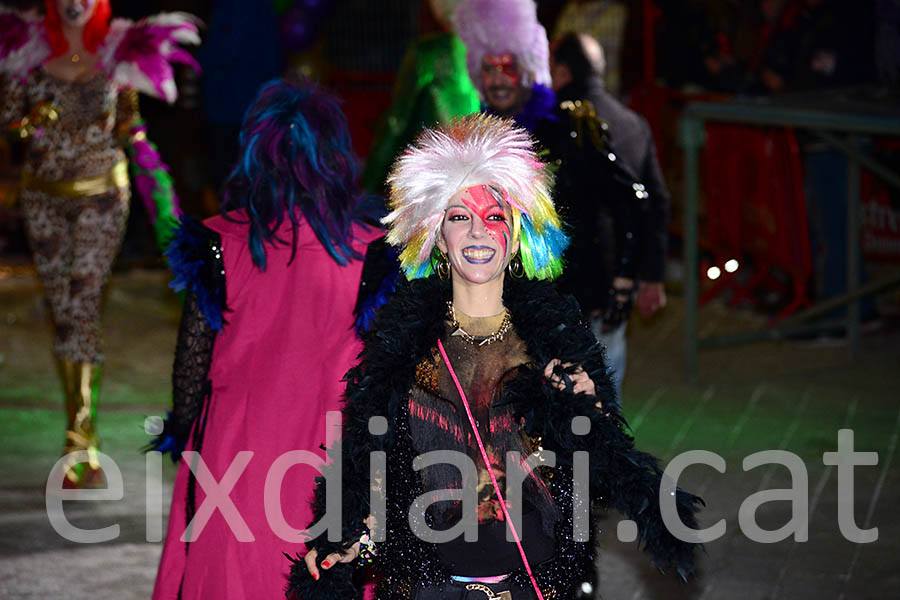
(791,396)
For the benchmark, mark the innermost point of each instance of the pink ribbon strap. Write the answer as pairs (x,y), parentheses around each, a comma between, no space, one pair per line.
(487,463)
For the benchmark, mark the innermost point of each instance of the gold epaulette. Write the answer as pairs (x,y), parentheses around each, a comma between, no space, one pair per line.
(585,122)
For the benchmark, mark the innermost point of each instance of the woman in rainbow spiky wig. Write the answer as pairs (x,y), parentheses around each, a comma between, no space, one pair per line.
(478,358)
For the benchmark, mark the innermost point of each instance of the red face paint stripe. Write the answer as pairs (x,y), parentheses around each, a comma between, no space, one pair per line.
(485,205)
(505,64)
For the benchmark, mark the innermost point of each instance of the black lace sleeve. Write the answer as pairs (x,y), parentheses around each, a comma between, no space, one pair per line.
(190,378)
(195,257)
(190,372)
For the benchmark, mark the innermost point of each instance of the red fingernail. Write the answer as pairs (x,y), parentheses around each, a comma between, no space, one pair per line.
(326,564)
(315,576)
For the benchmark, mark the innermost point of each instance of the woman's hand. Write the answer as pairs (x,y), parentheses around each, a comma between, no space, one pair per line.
(581,382)
(332,559)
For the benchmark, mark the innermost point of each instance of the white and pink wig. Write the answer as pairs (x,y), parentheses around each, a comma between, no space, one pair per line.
(491,27)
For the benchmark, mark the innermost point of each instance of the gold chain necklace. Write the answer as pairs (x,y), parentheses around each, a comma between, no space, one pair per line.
(497,336)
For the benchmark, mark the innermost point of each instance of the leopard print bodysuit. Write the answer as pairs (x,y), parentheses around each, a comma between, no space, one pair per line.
(74,238)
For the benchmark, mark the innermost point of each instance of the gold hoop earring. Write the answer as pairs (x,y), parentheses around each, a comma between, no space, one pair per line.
(441,266)
(515,267)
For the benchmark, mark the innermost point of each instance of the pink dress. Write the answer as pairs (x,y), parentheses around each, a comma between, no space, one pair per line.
(276,371)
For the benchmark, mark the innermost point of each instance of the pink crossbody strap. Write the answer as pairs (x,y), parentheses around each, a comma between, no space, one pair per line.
(487,463)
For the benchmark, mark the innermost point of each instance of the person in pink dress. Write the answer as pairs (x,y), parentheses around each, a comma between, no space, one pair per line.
(272,288)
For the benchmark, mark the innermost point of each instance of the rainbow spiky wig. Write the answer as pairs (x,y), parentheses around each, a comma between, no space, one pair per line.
(474,150)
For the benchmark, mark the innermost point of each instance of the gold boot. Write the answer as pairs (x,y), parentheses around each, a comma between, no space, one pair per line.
(81,384)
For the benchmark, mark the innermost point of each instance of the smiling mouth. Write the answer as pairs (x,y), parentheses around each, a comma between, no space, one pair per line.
(500,93)
(478,255)
(74,12)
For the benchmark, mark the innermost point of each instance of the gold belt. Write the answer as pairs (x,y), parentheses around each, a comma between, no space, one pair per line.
(491,595)
(115,178)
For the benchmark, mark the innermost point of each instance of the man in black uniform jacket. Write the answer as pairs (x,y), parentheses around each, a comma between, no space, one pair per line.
(601,200)
(577,67)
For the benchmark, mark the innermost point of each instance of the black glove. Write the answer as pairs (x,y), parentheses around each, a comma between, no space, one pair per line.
(621,302)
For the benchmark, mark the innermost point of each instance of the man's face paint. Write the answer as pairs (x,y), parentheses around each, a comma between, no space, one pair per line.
(477,233)
(501,65)
(501,81)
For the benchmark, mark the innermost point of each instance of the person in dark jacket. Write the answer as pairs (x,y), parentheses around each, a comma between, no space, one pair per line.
(577,66)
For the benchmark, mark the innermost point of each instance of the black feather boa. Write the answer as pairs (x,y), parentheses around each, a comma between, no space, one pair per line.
(551,327)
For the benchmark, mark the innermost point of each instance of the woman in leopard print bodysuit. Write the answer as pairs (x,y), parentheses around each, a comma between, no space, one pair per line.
(63,95)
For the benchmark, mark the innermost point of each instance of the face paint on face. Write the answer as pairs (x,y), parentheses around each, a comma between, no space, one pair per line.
(477,234)
(503,64)
(490,210)
(76,12)
(501,81)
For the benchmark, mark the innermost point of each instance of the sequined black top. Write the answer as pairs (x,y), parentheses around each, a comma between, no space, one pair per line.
(438,421)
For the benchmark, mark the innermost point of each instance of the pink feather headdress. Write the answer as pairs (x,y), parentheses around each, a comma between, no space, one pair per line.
(140,55)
